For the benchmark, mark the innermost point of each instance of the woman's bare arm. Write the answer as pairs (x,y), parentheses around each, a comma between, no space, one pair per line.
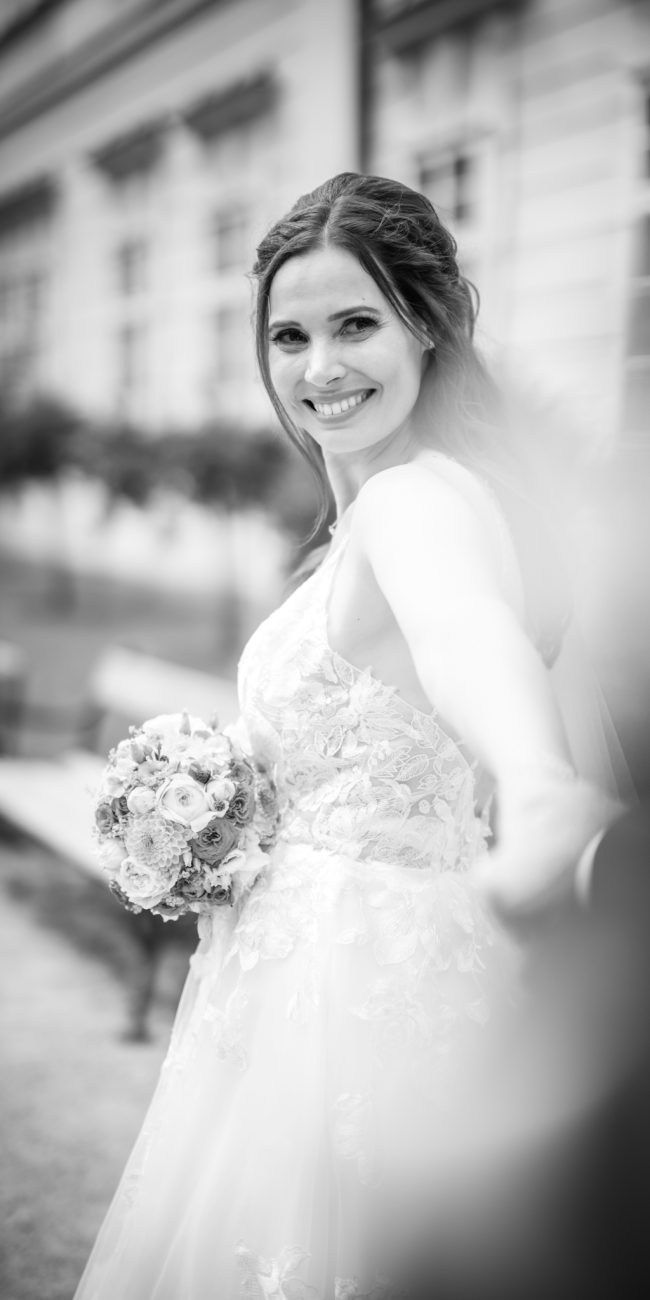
(437,565)
(436,562)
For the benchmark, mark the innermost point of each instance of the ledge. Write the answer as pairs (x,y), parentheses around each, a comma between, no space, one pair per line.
(415,23)
(137,151)
(232,106)
(28,202)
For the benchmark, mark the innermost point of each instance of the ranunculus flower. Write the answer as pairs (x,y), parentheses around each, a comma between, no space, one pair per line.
(242,774)
(182,799)
(220,791)
(221,895)
(241,807)
(193,888)
(104,818)
(145,885)
(199,773)
(141,800)
(215,840)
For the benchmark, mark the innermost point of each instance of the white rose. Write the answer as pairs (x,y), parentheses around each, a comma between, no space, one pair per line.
(182,799)
(141,800)
(111,856)
(143,885)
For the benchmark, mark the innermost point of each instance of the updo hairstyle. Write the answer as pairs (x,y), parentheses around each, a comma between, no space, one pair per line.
(398,238)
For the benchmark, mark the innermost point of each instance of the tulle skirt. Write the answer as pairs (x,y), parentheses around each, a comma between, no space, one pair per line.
(309,1072)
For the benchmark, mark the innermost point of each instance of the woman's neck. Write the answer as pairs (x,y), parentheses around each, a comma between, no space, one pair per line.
(347,474)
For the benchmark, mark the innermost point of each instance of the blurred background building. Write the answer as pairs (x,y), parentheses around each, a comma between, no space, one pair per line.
(146,144)
(529,125)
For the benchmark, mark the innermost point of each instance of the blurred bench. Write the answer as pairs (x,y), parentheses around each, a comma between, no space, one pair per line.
(51,800)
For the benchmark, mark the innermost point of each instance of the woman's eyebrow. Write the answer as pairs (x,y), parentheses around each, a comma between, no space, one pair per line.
(337,315)
(349,311)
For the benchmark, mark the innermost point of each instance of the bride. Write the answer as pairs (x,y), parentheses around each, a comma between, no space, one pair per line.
(393,692)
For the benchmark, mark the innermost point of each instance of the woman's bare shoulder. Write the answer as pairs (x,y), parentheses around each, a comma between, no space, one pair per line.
(434,502)
(429,491)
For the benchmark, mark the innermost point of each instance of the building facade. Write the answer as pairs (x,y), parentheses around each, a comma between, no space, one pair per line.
(528,124)
(145,145)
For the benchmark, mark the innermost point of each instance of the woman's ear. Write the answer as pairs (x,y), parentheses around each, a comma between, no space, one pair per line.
(428,355)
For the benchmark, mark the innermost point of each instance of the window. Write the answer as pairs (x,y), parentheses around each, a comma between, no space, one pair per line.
(131,345)
(230,237)
(647,136)
(131,267)
(21,319)
(450,183)
(229,372)
(26,223)
(132,193)
(455,180)
(234,346)
(636,378)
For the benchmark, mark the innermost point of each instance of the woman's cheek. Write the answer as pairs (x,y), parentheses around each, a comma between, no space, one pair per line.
(283,376)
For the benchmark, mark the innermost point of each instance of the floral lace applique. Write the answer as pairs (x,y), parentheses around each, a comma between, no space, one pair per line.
(280,1279)
(274,1279)
(227,1028)
(359,769)
(351,1288)
(352,1125)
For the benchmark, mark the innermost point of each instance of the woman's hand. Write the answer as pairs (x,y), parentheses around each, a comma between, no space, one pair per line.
(546,821)
(436,559)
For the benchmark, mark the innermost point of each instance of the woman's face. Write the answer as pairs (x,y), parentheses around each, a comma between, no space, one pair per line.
(344,366)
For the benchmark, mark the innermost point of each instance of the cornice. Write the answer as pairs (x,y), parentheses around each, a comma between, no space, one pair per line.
(140,148)
(406,28)
(98,56)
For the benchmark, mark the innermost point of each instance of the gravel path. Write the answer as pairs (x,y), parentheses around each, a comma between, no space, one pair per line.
(72,1091)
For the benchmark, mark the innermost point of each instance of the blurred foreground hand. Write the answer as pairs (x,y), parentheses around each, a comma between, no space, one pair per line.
(546,822)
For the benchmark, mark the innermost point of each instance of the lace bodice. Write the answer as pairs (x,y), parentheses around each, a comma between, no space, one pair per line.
(360,770)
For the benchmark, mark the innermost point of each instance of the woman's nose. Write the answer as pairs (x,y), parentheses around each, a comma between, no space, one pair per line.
(323,365)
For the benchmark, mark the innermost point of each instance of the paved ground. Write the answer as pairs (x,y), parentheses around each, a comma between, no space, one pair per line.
(72,1091)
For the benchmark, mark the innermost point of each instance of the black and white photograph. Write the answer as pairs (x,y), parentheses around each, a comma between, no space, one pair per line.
(324,649)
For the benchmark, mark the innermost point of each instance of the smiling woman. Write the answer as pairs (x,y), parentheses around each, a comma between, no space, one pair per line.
(331,1017)
(351,375)
(390,263)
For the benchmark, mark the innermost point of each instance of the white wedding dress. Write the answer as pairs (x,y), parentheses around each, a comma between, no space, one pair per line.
(317,1023)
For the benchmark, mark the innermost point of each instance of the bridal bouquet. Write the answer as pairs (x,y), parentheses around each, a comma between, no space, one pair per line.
(183,817)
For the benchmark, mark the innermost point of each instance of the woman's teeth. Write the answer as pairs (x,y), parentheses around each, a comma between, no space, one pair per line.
(339,408)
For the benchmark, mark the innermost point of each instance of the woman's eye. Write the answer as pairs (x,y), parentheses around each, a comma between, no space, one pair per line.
(288,338)
(359,324)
